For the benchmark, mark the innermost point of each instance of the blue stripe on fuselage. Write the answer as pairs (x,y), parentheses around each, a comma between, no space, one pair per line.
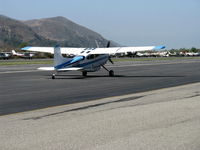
(62,65)
(70,62)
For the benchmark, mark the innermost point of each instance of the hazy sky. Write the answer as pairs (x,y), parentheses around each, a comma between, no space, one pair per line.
(174,23)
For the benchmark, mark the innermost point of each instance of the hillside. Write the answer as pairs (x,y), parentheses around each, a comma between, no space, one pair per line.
(63,30)
(14,32)
(46,32)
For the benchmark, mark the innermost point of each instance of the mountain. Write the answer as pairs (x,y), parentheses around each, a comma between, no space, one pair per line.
(14,32)
(47,32)
(63,30)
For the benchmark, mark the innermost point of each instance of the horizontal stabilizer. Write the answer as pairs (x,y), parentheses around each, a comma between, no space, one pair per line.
(70,69)
(64,69)
(47,68)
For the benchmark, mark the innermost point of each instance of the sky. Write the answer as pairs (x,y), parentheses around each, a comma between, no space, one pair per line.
(173,23)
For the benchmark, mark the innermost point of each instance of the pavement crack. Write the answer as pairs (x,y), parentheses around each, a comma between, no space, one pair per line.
(85,107)
(195,95)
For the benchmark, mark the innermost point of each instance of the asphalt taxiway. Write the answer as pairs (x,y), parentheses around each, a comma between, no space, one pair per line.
(155,120)
(22,88)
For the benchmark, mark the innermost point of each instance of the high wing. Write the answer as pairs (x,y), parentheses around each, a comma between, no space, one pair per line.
(114,50)
(77,51)
(64,50)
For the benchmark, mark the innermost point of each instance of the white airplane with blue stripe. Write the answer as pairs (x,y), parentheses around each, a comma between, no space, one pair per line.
(85,59)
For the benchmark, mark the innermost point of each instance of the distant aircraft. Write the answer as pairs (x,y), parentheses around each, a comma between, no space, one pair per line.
(5,55)
(23,55)
(85,59)
(192,54)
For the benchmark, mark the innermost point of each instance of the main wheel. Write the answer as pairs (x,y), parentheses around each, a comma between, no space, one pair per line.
(53,76)
(84,73)
(111,73)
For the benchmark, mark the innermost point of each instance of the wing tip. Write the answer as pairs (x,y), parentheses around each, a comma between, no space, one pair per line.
(159,47)
(26,48)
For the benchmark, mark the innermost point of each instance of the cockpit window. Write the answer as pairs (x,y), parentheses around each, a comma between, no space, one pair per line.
(82,52)
(88,51)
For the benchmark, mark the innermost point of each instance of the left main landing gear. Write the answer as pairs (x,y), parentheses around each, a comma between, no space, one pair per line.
(84,73)
(111,72)
(53,76)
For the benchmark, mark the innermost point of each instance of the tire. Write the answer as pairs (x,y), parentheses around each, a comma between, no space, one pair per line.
(84,73)
(111,73)
(53,76)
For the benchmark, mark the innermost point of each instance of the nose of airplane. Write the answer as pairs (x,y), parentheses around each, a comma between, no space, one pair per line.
(76,59)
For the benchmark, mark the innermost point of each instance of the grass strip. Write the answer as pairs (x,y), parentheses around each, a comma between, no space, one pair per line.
(5,63)
(153,58)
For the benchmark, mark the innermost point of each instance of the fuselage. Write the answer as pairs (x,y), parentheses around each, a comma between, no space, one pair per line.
(92,62)
(88,62)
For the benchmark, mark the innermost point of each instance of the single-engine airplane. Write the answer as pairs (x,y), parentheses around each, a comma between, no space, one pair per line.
(5,55)
(23,55)
(85,59)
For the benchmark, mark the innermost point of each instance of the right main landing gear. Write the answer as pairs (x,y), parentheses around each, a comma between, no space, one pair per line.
(111,72)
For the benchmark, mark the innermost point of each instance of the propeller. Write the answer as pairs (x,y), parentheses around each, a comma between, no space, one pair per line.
(110,60)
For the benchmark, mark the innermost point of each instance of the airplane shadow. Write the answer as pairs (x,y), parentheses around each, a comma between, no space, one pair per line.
(116,76)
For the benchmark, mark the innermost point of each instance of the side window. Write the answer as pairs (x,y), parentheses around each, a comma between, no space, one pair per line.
(96,55)
(90,56)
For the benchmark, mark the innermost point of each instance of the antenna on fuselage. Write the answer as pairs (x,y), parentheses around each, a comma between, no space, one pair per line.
(97,44)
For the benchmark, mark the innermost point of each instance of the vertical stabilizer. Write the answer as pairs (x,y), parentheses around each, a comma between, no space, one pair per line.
(13,52)
(58,58)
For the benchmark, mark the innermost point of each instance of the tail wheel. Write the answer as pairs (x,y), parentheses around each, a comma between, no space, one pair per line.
(84,73)
(111,73)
